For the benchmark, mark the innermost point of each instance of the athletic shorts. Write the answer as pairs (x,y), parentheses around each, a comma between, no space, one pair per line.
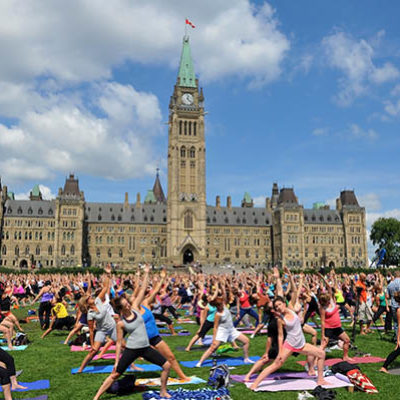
(101,336)
(205,328)
(286,345)
(365,313)
(67,322)
(155,340)
(333,333)
(225,335)
(130,355)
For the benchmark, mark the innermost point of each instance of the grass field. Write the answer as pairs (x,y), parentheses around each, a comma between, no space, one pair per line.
(49,359)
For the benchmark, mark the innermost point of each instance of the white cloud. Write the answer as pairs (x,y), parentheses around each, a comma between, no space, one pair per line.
(67,138)
(392,107)
(357,132)
(320,131)
(81,40)
(47,194)
(370,201)
(355,59)
(259,201)
(56,76)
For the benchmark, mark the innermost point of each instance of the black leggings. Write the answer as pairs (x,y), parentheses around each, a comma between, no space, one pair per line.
(130,355)
(6,373)
(207,325)
(163,318)
(171,309)
(391,357)
(381,310)
(44,308)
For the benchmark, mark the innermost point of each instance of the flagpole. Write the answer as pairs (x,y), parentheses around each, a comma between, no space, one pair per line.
(186,28)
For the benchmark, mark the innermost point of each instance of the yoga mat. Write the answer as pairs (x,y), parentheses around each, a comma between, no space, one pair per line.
(394,371)
(194,380)
(107,356)
(184,394)
(230,361)
(15,348)
(43,397)
(163,328)
(87,348)
(275,376)
(381,328)
(179,334)
(297,384)
(250,332)
(107,369)
(37,385)
(357,360)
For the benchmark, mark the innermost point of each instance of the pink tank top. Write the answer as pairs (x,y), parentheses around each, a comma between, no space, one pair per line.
(332,317)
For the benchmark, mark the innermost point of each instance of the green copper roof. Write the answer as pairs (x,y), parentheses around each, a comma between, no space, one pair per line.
(318,205)
(150,198)
(186,74)
(11,195)
(247,198)
(36,191)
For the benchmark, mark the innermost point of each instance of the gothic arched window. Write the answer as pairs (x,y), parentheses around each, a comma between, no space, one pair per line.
(63,250)
(50,251)
(186,128)
(72,251)
(192,153)
(180,127)
(190,128)
(37,252)
(194,128)
(17,251)
(183,151)
(188,220)
(4,250)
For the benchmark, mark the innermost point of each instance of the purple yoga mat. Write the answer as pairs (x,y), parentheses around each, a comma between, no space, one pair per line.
(42,397)
(356,360)
(179,334)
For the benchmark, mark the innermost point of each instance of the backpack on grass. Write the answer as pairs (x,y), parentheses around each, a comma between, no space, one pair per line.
(219,376)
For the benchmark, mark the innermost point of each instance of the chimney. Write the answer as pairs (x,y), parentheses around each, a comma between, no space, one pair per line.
(268,203)
(218,202)
(138,200)
(338,204)
(126,202)
(229,202)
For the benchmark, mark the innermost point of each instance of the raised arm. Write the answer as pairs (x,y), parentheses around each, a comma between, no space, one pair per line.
(139,298)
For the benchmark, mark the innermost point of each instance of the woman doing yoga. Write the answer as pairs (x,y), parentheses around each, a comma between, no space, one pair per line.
(294,342)
(137,343)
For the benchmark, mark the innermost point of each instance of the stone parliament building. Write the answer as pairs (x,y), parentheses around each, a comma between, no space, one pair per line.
(180,228)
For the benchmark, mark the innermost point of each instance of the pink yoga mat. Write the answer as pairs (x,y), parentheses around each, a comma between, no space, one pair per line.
(297,384)
(249,332)
(357,360)
(80,348)
(107,356)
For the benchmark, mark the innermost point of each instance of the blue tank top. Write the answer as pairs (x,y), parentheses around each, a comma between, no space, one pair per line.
(211,313)
(150,323)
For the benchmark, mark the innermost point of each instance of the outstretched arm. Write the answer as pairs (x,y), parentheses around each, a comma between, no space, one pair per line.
(139,298)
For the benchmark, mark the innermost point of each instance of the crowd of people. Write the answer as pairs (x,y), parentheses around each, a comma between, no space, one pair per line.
(123,310)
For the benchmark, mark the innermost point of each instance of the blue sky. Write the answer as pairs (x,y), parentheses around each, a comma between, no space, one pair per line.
(304,93)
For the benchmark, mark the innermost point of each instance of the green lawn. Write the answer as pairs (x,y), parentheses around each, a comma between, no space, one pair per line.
(49,359)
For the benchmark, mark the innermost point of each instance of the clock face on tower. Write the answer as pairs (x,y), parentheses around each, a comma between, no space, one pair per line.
(187,99)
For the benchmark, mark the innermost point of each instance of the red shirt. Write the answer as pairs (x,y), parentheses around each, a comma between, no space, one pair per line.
(244,300)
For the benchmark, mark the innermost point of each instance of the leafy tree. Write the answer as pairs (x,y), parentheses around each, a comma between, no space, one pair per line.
(385,233)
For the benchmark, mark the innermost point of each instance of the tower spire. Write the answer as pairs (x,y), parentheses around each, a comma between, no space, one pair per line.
(186,75)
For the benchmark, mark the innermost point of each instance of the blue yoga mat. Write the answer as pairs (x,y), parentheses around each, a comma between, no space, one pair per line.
(230,361)
(16,348)
(37,385)
(107,369)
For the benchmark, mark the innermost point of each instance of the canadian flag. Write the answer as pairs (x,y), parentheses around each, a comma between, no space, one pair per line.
(190,23)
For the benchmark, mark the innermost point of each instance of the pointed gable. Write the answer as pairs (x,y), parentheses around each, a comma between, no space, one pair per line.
(186,75)
(158,190)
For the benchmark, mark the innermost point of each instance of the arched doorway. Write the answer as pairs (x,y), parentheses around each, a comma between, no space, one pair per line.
(23,264)
(188,256)
(331,264)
